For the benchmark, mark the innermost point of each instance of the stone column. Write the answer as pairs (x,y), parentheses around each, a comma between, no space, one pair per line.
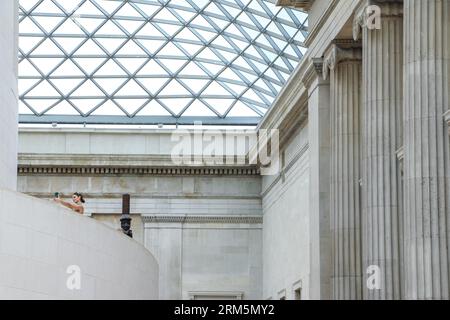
(427,166)
(345,79)
(382,136)
(319,180)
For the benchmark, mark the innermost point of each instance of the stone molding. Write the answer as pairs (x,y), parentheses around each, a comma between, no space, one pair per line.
(60,170)
(389,9)
(314,71)
(338,52)
(230,219)
(301,4)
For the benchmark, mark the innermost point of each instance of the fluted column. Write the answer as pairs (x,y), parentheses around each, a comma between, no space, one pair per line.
(427,185)
(345,79)
(382,136)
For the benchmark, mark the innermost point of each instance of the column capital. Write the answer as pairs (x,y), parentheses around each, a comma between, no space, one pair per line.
(314,71)
(370,12)
(339,52)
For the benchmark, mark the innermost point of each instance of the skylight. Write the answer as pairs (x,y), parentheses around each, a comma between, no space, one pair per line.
(149,62)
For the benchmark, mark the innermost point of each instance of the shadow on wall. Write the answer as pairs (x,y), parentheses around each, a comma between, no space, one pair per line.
(48,252)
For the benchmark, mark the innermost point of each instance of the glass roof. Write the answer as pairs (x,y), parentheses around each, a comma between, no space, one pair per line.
(150,61)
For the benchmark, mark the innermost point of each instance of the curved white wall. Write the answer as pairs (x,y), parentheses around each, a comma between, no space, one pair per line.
(39,240)
(8,94)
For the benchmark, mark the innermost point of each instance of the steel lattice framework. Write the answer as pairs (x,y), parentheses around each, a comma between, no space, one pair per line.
(150,61)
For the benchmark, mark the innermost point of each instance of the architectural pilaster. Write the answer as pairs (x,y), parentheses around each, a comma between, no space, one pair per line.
(382,125)
(426,159)
(319,180)
(345,83)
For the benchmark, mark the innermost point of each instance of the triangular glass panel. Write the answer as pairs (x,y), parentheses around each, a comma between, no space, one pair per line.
(195,85)
(151,69)
(153,85)
(109,108)
(110,44)
(110,85)
(242,110)
(69,27)
(205,36)
(66,85)
(46,65)
(27,5)
(220,105)
(89,24)
(192,69)
(213,69)
(130,26)
(26,84)
(170,50)
(44,89)
(89,48)
(131,48)
(41,105)
(215,89)
(69,44)
(131,105)
(153,109)
(149,30)
(185,15)
(190,49)
(187,34)
(47,6)
(48,23)
(89,65)
(131,64)
(174,89)
(131,89)
(169,29)
(62,108)
(26,69)
(110,68)
(173,65)
(109,28)
(175,105)
(165,15)
(27,26)
(148,9)
(151,46)
(28,43)
(251,95)
(127,11)
(237,89)
(87,8)
(47,48)
(108,5)
(68,5)
(198,109)
(68,68)
(88,89)
(85,105)
(24,109)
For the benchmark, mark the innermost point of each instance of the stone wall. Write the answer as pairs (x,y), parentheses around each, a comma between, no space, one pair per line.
(40,241)
(286,262)
(8,93)
(204,227)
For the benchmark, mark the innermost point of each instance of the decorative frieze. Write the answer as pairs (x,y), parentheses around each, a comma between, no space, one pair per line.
(45,170)
(229,219)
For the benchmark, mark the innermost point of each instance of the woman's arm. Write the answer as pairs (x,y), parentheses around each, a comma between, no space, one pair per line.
(74,207)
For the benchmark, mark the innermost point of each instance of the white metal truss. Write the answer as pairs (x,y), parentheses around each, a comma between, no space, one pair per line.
(155,61)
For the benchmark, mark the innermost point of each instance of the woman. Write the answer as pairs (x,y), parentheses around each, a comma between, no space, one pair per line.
(77,204)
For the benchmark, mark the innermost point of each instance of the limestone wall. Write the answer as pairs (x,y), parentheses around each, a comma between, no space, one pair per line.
(204,228)
(39,241)
(8,93)
(286,224)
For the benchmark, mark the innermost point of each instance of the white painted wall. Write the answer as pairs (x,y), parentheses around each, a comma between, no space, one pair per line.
(8,93)
(39,240)
(286,224)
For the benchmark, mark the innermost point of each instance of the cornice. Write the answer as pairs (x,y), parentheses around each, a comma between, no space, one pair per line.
(231,219)
(314,30)
(300,4)
(160,171)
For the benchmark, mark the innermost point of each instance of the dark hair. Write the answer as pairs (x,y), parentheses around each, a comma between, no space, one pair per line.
(79,195)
